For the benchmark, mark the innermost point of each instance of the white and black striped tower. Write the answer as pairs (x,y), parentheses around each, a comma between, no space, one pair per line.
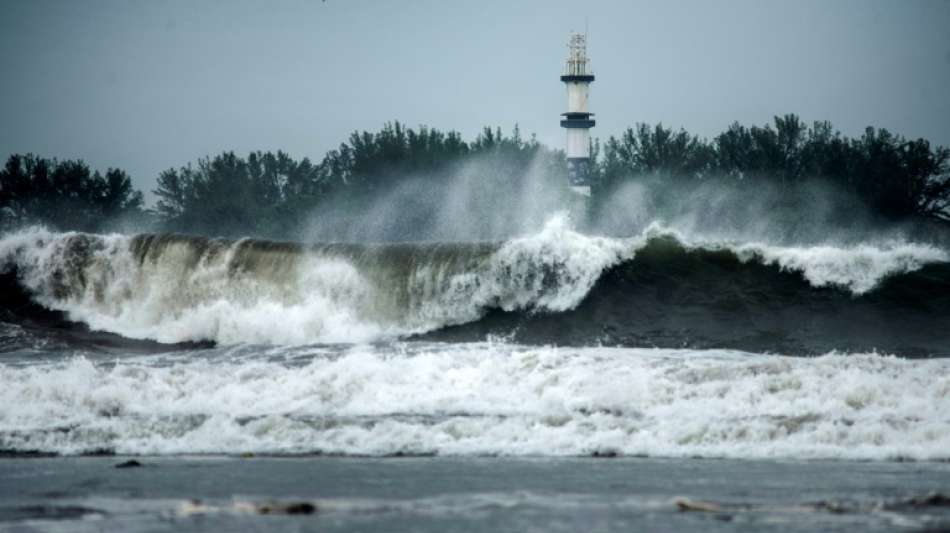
(578,119)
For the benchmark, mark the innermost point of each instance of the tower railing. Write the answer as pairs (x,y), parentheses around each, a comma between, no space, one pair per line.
(577,63)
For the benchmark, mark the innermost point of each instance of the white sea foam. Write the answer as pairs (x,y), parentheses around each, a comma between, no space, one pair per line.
(858,269)
(479,399)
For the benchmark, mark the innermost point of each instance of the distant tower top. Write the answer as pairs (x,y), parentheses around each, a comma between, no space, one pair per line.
(578,63)
(578,119)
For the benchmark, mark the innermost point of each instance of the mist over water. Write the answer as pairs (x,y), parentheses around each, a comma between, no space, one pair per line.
(807,212)
(477,201)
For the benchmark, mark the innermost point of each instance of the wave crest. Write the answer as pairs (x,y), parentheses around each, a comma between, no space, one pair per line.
(174,288)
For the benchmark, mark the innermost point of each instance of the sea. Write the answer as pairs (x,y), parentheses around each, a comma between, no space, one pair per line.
(554,381)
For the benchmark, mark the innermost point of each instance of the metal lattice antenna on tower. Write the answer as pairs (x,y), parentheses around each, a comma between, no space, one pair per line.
(578,64)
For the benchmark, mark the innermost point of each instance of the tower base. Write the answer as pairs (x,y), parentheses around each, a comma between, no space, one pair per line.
(578,172)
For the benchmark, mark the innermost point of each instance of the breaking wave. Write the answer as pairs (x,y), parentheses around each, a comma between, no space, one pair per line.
(559,286)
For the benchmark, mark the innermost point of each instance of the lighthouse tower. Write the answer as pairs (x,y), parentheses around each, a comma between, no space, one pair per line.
(578,119)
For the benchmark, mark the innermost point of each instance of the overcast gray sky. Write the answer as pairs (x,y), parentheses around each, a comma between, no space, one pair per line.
(147,85)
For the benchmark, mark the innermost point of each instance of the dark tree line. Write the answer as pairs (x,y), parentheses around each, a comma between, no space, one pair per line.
(897,178)
(65,194)
(256,195)
(269,194)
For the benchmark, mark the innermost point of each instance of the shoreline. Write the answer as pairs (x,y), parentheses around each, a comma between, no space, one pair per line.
(191,493)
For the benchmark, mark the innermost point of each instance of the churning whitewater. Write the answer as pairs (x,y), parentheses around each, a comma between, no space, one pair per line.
(172,288)
(482,399)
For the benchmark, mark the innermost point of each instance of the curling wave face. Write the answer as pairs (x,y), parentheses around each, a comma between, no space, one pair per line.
(482,399)
(173,288)
(660,288)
